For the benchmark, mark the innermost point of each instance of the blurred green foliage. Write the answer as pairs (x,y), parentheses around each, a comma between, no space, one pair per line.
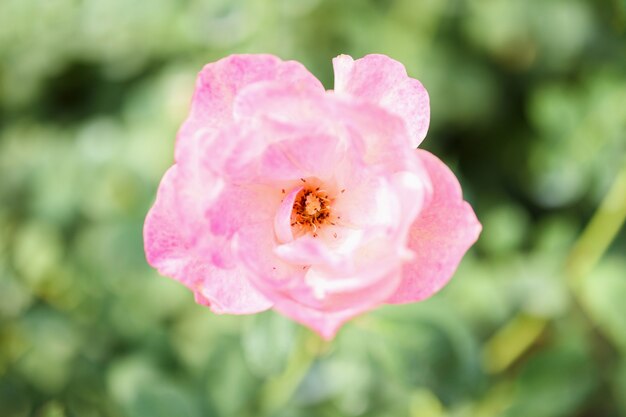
(528,107)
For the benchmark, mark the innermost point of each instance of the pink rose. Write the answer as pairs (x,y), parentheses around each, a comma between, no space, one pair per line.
(312,202)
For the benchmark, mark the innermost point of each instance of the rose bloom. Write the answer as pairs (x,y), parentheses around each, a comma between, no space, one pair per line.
(314,203)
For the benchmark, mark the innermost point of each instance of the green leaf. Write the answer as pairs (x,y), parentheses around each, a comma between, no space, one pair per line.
(603,293)
(267,340)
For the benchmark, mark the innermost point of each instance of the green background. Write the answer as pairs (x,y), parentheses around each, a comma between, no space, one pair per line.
(528,108)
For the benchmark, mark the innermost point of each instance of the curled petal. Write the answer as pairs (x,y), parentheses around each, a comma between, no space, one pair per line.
(335,282)
(226,291)
(219,83)
(282,220)
(370,203)
(165,246)
(325,313)
(439,237)
(309,251)
(384,81)
(322,134)
(414,192)
(174,245)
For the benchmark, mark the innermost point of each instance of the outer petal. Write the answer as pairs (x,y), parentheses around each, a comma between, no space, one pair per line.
(280,132)
(174,250)
(382,80)
(293,129)
(298,294)
(226,291)
(439,237)
(327,323)
(219,83)
(285,285)
(308,133)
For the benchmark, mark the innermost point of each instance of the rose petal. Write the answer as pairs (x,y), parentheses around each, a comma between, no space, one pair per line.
(384,81)
(307,250)
(368,204)
(328,312)
(377,144)
(239,206)
(219,83)
(443,232)
(282,220)
(175,251)
(254,245)
(226,291)
(336,281)
(166,249)
(321,133)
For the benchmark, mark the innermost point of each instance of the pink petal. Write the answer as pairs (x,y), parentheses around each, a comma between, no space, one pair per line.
(326,308)
(240,206)
(307,155)
(174,245)
(308,133)
(384,81)
(307,250)
(282,220)
(340,307)
(285,103)
(368,204)
(246,214)
(294,131)
(273,277)
(323,323)
(279,139)
(219,83)
(289,287)
(228,291)
(443,232)
(336,287)
(376,136)
(196,186)
(284,283)
(414,191)
(166,249)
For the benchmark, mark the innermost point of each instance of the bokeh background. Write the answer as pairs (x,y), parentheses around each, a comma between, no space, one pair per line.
(528,108)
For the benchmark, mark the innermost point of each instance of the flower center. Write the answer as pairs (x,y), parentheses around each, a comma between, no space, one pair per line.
(311,210)
(313,205)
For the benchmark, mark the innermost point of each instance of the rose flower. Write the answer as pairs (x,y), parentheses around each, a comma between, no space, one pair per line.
(315,203)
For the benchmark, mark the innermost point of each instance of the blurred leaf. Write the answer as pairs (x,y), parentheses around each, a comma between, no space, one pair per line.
(163,400)
(267,341)
(52,409)
(604,292)
(504,229)
(554,383)
(425,404)
(51,344)
(279,389)
(231,385)
(38,249)
(14,295)
(619,386)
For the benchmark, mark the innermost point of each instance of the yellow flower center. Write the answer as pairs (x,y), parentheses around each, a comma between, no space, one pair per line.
(313,205)
(311,210)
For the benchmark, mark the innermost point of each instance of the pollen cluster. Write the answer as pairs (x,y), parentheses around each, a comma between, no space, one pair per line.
(311,210)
